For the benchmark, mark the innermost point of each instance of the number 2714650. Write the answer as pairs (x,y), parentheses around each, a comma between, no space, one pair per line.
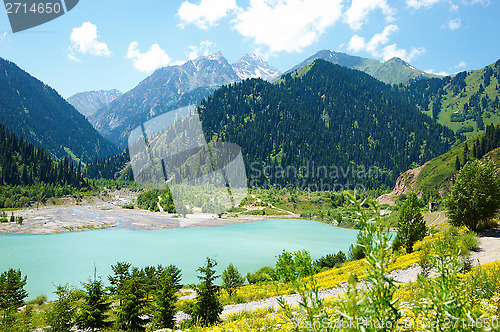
(35,8)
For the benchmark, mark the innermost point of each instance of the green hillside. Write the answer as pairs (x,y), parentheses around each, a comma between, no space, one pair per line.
(435,176)
(466,102)
(37,112)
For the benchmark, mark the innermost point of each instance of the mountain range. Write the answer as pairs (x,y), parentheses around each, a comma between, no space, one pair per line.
(34,110)
(172,87)
(88,103)
(321,112)
(392,71)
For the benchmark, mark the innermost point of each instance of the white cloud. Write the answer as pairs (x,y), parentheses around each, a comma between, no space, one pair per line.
(84,41)
(453,7)
(357,13)
(432,71)
(417,4)
(205,14)
(392,51)
(452,24)
(356,44)
(461,64)
(287,25)
(374,46)
(485,3)
(202,49)
(148,61)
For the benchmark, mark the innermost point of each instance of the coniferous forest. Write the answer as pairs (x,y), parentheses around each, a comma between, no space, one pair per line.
(28,173)
(323,115)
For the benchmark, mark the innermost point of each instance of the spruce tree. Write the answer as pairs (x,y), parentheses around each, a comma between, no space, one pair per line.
(207,308)
(12,293)
(164,301)
(92,314)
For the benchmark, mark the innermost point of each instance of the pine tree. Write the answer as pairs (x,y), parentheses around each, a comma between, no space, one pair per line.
(92,311)
(132,305)
(207,308)
(164,301)
(457,164)
(60,317)
(12,293)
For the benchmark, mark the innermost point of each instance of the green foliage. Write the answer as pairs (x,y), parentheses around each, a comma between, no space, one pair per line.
(110,168)
(132,306)
(29,174)
(60,317)
(264,274)
(92,314)
(411,225)
(164,301)
(121,275)
(294,266)
(150,199)
(12,293)
(39,300)
(437,174)
(376,302)
(441,299)
(459,101)
(475,195)
(232,279)
(330,261)
(207,307)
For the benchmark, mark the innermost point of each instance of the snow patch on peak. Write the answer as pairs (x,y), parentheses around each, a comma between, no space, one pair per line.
(252,66)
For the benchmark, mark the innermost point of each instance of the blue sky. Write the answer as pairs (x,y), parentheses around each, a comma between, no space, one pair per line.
(111,44)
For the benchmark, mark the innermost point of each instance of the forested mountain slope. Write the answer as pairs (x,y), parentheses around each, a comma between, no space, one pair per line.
(434,178)
(28,173)
(322,115)
(466,102)
(37,112)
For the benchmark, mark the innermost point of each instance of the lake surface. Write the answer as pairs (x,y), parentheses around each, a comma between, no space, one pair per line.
(69,258)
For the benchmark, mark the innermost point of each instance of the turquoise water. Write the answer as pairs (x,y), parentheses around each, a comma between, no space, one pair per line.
(50,260)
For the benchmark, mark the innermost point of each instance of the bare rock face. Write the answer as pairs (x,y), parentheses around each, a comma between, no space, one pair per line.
(405,184)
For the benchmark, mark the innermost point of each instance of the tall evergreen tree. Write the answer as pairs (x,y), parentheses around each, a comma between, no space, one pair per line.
(60,317)
(92,314)
(12,293)
(164,301)
(232,279)
(132,299)
(207,308)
